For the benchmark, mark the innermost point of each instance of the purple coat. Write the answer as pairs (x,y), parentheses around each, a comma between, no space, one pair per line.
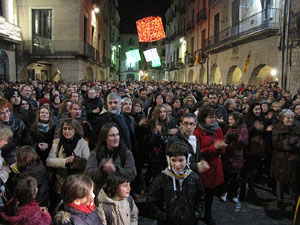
(234,156)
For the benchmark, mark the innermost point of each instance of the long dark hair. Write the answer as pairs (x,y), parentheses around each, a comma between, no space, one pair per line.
(72,123)
(24,193)
(103,134)
(26,156)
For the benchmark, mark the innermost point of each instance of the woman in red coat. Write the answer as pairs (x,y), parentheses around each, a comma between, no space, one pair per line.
(212,145)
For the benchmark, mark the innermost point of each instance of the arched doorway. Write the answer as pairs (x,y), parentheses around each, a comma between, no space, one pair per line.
(261,75)
(176,77)
(215,74)
(202,75)
(234,76)
(40,70)
(4,66)
(89,74)
(191,77)
(101,75)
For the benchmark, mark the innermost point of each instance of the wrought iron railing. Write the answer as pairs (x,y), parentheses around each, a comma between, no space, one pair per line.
(259,22)
(47,47)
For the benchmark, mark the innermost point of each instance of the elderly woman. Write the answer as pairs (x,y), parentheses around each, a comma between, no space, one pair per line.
(212,146)
(110,155)
(285,163)
(69,153)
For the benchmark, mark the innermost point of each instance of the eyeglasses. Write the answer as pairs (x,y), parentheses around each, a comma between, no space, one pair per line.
(5,112)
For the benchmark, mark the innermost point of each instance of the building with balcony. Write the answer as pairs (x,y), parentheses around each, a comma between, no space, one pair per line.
(176,43)
(65,39)
(10,39)
(220,34)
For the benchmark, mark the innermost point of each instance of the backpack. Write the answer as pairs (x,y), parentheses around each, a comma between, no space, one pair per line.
(108,210)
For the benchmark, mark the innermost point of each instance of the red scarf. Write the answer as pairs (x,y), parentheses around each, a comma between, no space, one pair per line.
(82,208)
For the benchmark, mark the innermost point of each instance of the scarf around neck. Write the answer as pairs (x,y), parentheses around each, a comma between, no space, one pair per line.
(43,127)
(69,144)
(209,128)
(83,208)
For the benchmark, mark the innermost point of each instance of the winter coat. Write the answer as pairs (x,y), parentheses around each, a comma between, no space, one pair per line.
(41,137)
(71,216)
(195,156)
(283,168)
(40,173)
(57,159)
(20,137)
(213,176)
(176,207)
(121,211)
(237,140)
(122,159)
(110,118)
(90,105)
(29,214)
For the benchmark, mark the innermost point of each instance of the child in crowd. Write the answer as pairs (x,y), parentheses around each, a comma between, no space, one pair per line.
(116,206)
(22,209)
(29,164)
(5,134)
(237,139)
(78,202)
(176,195)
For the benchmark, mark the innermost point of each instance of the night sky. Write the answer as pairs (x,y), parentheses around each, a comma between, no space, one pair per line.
(132,10)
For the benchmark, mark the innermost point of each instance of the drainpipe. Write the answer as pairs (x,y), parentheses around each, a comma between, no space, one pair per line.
(283,46)
(287,44)
(208,29)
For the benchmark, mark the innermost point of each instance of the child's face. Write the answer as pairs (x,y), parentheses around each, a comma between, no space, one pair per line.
(178,163)
(231,121)
(3,142)
(88,200)
(123,191)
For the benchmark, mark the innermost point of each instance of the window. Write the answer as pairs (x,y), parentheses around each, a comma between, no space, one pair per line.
(131,42)
(41,29)
(203,43)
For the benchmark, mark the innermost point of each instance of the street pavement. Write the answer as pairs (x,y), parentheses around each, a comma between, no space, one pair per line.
(260,210)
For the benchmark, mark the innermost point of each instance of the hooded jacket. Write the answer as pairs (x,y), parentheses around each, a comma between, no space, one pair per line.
(176,207)
(122,213)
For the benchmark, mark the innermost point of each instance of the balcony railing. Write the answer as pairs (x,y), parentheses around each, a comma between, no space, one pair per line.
(201,15)
(47,47)
(9,31)
(267,20)
(191,25)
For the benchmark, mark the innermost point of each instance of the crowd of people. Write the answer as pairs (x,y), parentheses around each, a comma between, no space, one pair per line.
(84,152)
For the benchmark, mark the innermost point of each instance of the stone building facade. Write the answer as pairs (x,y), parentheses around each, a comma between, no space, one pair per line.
(218,36)
(10,39)
(65,39)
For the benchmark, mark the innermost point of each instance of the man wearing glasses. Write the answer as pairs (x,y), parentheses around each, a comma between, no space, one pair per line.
(221,112)
(185,135)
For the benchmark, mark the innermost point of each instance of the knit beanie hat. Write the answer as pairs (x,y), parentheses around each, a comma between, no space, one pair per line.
(44,101)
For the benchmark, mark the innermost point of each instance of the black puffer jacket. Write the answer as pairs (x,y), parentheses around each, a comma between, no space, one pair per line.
(91,104)
(176,207)
(20,137)
(71,216)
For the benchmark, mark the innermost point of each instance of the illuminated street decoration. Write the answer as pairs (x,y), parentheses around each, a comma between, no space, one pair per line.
(156,62)
(150,29)
(133,56)
(151,54)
